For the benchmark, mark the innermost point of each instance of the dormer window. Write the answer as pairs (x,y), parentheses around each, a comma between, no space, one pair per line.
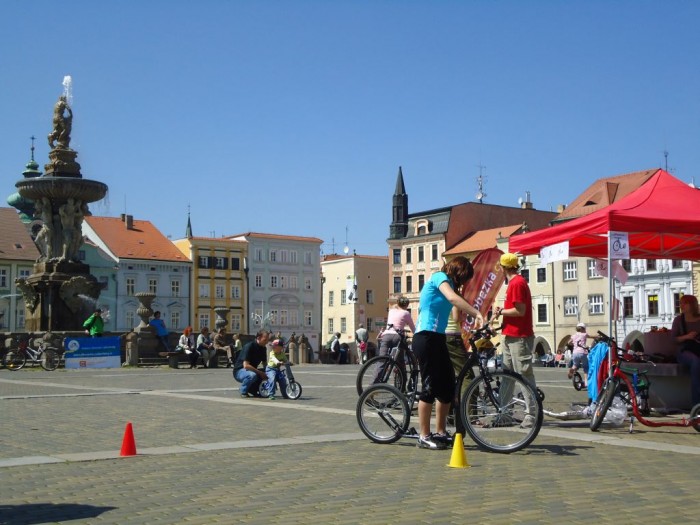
(422,227)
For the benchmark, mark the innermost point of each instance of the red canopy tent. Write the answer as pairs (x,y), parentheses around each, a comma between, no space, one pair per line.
(661,217)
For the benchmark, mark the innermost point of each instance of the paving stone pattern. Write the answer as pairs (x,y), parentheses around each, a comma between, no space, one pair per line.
(206,456)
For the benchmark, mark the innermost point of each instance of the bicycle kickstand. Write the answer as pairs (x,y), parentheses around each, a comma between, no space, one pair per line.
(631,423)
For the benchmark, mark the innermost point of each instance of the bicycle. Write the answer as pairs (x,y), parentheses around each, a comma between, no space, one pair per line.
(499,409)
(293,390)
(399,367)
(577,378)
(15,359)
(634,391)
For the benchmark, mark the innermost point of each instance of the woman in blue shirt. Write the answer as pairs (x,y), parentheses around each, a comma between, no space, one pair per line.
(438,296)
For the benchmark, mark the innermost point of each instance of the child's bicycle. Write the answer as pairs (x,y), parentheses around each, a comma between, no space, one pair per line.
(499,410)
(577,378)
(293,390)
(16,358)
(633,386)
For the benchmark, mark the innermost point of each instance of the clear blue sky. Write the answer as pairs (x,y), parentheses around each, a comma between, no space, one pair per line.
(293,116)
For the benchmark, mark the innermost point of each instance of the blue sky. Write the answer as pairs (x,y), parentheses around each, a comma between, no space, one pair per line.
(293,116)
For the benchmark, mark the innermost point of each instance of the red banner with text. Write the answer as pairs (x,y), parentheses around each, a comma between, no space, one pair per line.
(482,289)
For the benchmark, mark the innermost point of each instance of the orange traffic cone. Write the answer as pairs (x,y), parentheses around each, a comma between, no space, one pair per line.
(459,457)
(128,443)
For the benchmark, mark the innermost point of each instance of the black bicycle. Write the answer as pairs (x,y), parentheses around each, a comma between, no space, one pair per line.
(399,368)
(499,409)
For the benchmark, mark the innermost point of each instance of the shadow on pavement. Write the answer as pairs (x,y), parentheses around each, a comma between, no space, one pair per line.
(33,513)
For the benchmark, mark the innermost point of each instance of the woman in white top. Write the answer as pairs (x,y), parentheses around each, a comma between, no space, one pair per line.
(399,317)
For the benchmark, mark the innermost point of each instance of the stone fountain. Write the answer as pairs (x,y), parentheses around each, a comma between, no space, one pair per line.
(52,293)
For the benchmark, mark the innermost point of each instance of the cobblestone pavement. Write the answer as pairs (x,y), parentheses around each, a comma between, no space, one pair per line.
(207,456)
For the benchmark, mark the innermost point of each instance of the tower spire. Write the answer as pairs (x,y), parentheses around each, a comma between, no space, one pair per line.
(188,230)
(399,219)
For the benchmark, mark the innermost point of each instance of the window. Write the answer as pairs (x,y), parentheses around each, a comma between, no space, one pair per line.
(219,291)
(628,306)
(258,316)
(677,303)
(129,318)
(293,318)
(293,282)
(203,321)
(434,252)
(595,304)
(343,297)
(331,297)
(676,264)
(235,291)
(274,316)
(273,281)
(235,321)
(330,326)
(284,256)
(175,288)
(369,297)
(569,270)
(626,264)
(343,325)
(293,256)
(3,278)
(203,261)
(235,263)
(220,263)
(651,265)
(283,281)
(570,305)
(273,255)
(25,272)
(541,313)
(258,281)
(421,282)
(307,283)
(174,320)
(130,286)
(307,317)
(307,257)
(259,254)
(409,253)
(652,305)
(153,286)
(284,317)
(204,290)
(369,324)
(541,275)
(525,273)
(397,284)
(592,272)
(81,255)
(397,256)
(409,284)
(103,279)
(421,256)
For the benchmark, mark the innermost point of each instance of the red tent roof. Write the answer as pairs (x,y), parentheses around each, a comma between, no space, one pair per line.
(662,218)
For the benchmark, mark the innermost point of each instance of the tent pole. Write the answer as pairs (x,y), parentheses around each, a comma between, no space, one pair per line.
(610,303)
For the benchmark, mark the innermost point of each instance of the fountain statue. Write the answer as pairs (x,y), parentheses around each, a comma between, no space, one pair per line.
(61,196)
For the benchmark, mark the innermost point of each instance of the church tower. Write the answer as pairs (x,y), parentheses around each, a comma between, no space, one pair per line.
(399,210)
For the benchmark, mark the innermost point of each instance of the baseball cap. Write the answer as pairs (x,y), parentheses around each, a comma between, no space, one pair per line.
(277,342)
(509,260)
(581,325)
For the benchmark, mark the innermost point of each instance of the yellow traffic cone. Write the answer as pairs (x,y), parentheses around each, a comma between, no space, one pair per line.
(459,457)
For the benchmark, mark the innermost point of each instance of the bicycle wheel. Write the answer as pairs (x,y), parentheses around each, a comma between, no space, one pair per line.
(578,381)
(383,413)
(15,359)
(49,359)
(264,389)
(605,399)
(380,369)
(501,412)
(695,417)
(293,390)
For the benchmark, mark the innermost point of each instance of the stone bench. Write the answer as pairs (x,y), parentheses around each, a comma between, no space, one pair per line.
(669,385)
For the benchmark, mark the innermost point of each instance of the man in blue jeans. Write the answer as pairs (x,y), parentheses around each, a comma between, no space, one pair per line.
(246,370)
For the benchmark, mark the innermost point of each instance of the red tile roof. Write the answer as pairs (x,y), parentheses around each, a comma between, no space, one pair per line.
(15,242)
(483,239)
(142,241)
(604,192)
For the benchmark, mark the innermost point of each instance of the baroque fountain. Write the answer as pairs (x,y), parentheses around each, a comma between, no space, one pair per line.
(59,293)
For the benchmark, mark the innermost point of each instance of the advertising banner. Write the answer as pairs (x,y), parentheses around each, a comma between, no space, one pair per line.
(482,289)
(93,352)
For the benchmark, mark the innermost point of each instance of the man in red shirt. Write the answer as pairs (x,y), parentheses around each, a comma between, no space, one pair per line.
(518,334)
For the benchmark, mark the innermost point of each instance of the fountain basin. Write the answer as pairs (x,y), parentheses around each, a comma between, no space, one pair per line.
(61,188)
